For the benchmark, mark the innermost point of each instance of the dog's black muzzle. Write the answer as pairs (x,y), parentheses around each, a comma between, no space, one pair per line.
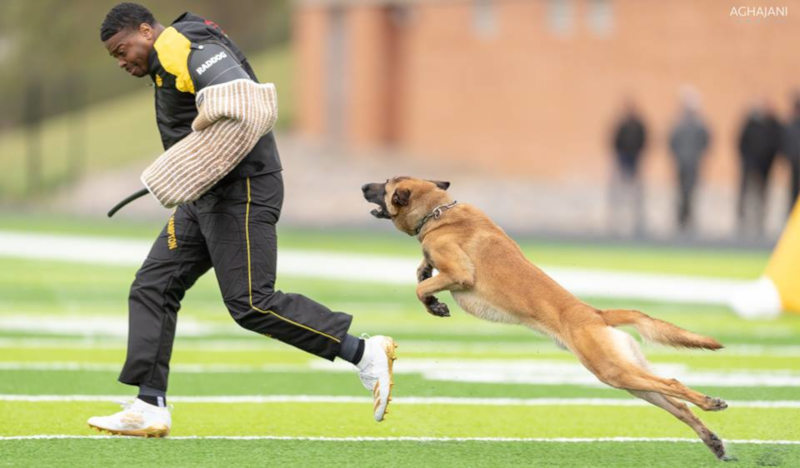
(376,193)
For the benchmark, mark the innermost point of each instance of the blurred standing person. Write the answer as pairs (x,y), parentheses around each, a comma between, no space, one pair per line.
(629,139)
(688,142)
(791,149)
(759,142)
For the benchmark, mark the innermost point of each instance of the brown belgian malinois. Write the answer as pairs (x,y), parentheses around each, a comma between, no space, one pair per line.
(490,278)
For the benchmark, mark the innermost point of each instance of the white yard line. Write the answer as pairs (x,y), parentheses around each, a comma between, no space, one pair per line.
(579,440)
(557,372)
(496,371)
(90,325)
(183,368)
(462,401)
(519,350)
(378,269)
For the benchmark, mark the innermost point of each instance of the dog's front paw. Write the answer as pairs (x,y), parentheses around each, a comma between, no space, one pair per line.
(438,309)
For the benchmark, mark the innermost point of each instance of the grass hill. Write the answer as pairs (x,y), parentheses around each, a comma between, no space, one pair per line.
(116,132)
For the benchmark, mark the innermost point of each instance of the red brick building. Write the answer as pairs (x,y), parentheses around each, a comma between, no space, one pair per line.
(533,86)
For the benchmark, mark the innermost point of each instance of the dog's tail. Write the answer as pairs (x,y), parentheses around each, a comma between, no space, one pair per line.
(658,330)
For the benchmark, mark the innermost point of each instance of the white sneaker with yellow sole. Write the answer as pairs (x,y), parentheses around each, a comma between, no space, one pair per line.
(137,418)
(375,371)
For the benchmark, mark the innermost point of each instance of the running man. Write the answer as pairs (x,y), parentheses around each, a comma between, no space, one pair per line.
(230,227)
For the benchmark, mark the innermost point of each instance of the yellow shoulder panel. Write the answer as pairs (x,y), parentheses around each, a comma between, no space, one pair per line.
(173,50)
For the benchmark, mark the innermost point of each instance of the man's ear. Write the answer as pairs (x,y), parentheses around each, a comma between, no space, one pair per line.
(400,197)
(146,31)
(441,184)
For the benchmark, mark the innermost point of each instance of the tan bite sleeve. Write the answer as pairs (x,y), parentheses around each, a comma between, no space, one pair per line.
(231,118)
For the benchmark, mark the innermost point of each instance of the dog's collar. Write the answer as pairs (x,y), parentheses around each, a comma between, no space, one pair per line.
(435,214)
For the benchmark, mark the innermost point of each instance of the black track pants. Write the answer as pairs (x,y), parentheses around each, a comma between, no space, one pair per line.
(231,228)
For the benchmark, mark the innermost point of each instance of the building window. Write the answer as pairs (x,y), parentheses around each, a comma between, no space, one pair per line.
(484,18)
(601,17)
(560,16)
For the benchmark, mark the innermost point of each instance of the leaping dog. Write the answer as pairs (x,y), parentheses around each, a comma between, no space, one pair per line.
(490,278)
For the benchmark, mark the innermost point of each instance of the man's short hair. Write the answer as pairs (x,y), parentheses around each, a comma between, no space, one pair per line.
(123,16)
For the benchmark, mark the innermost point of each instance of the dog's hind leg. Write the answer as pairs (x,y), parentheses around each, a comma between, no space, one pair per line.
(682,412)
(639,379)
(614,357)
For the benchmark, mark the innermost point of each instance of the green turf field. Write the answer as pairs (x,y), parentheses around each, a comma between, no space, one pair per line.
(468,393)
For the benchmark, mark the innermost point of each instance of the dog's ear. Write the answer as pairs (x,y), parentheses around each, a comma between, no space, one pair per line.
(441,184)
(400,197)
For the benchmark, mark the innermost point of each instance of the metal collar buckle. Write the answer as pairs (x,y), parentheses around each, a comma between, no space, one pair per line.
(435,214)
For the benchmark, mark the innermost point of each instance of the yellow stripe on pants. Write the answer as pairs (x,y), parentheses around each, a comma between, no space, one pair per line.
(250,276)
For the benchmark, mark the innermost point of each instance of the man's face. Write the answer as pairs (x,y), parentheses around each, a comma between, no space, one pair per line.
(131,48)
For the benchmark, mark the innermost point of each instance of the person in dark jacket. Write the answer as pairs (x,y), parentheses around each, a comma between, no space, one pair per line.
(688,142)
(759,142)
(629,140)
(791,150)
(231,228)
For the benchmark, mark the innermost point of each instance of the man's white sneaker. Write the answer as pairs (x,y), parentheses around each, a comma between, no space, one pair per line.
(375,371)
(137,418)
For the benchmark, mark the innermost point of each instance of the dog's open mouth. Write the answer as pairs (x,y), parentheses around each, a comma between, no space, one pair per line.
(380,212)
(375,193)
